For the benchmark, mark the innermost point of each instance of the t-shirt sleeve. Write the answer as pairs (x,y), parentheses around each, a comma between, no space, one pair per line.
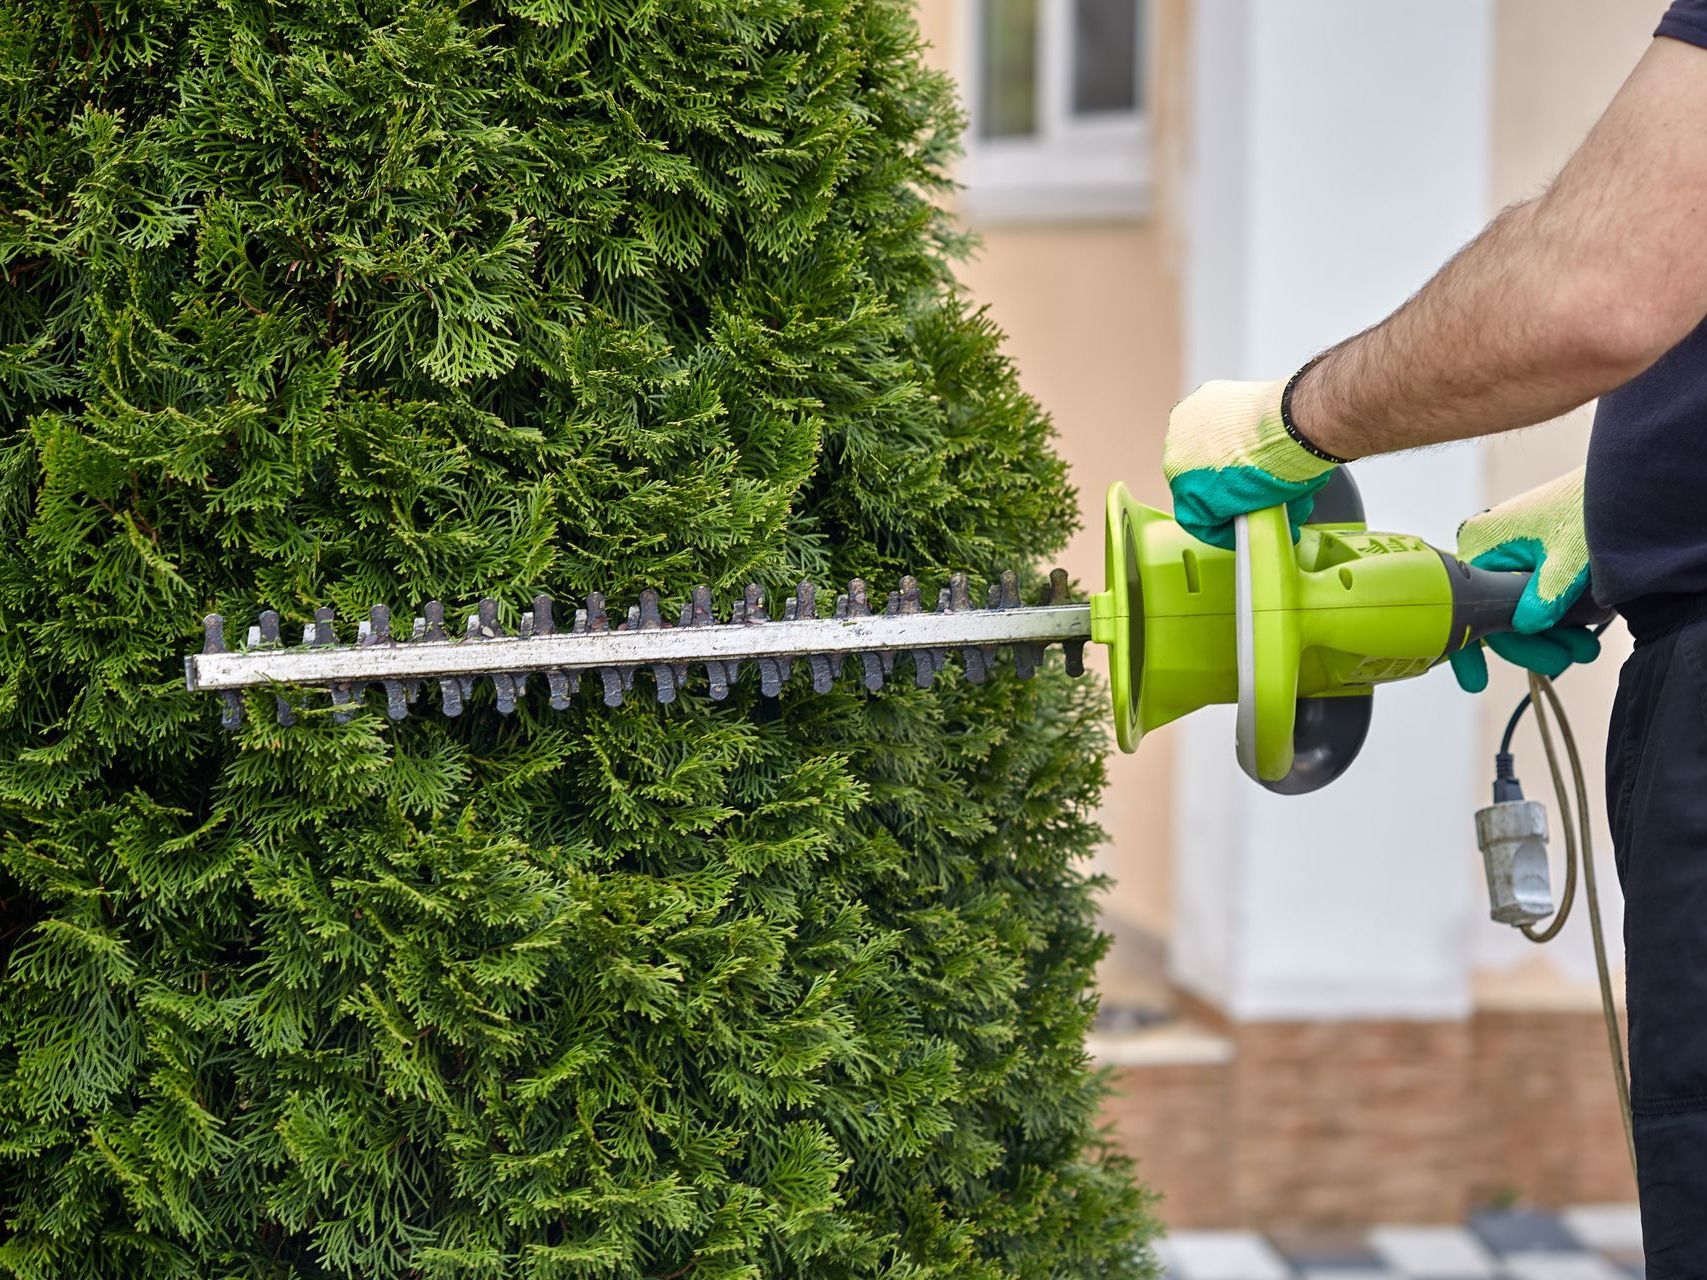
(1686,20)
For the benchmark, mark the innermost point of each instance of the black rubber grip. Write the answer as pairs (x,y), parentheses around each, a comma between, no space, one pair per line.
(1483,601)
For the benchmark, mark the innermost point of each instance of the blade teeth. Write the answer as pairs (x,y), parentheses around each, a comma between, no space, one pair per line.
(873,667)
(1054,592)
(230,700)
(891,608)
(1075,650)
(377,631)
(908,601)
(1057,591)
(321,633)
(617,681)
(612,678)
(700,607)
(958,599)
(750,611)
(649,618)
(823,677)
(803,604)
(624,675)
(268,635)
(558,683)
(697,613)
(959,594)
(806,606)
(561,688)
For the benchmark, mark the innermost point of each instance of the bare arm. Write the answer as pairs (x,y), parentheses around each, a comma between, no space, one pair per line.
(1560,299)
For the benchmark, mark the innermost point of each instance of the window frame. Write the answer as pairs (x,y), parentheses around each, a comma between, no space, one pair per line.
(1074,167)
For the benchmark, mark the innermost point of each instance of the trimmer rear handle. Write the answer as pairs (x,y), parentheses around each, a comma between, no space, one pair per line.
(1483,601)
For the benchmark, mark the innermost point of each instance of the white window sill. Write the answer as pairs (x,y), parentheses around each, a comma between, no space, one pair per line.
(1097,172)
(984,205)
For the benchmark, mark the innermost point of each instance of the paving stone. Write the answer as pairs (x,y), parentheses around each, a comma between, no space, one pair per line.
(1629,1260)
(1221,1255)
(1306,1248)
(1605,1226)
(1440,1253)
(1574,1265)
(1508,1231)
(1591,1242)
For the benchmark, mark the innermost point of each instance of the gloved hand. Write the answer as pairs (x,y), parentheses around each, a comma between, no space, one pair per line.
(1228,453)
(1541,531)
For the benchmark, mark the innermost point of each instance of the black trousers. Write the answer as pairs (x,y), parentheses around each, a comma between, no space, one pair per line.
(1656,783)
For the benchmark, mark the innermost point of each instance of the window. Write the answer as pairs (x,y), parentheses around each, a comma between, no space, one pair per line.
(1057,90)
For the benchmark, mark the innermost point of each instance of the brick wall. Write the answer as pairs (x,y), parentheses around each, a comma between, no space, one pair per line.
(1352,1123)
(1545,1126)
(1177,1121)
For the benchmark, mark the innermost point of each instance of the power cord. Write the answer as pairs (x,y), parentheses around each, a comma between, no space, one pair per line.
(1579,848)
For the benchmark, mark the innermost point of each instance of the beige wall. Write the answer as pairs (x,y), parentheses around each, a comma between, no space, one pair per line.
(1557,64)
(1092,316)
(1091,313)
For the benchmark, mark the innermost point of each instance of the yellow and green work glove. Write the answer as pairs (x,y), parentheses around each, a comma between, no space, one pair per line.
(1229,452)
(1540,531)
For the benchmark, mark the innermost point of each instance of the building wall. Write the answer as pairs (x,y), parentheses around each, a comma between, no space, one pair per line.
(1368,1044)
(1091,310)
(1350,1123)
(1094,314)
(1557,64)
(1339,155)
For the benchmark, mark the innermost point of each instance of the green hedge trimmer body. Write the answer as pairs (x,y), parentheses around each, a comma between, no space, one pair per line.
(1295,635)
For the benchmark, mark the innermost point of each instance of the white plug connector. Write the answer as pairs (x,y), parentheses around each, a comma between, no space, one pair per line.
(1512,834)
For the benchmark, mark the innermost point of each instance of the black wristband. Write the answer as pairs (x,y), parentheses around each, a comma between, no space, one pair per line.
(1298,437)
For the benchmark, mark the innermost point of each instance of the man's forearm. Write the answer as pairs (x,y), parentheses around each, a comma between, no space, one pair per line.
(1559,300)
(1482,348)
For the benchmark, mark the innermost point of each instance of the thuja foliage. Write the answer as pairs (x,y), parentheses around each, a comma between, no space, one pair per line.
(312,302)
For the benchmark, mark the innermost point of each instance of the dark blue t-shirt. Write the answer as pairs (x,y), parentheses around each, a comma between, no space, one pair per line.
(1645,500)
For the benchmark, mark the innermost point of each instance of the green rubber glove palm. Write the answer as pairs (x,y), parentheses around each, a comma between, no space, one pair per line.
(1228,453)
(1540,531)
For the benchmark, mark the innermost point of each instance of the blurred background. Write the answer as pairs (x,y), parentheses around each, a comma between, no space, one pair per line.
(1310,1015)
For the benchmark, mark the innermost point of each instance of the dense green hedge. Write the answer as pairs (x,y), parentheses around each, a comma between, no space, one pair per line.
(328,302)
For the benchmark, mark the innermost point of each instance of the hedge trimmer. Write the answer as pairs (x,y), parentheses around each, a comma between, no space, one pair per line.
(1296,635)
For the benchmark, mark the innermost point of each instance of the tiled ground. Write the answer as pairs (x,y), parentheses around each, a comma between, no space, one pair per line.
(1595,1242)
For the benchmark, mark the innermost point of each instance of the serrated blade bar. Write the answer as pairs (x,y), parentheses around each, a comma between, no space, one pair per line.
(334,665)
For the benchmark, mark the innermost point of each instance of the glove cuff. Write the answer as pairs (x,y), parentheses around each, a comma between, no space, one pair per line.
(1298,437)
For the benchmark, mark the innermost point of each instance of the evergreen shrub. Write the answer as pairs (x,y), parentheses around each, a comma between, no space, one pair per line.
(323,302)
